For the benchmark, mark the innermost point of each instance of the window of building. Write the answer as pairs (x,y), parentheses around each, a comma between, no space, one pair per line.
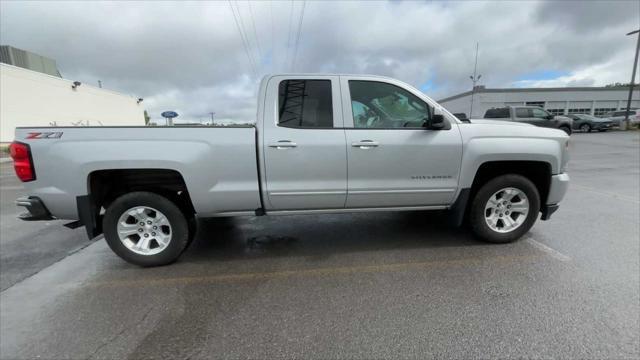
(602,111)
(579,111)
(535,103)
(556,111)
(305,104)
(382,105)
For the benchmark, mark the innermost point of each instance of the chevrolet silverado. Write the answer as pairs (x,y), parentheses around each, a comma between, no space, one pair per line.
(321,144)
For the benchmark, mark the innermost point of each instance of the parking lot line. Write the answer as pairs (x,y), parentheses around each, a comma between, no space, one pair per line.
(544,248)
(318,272)
(609,194)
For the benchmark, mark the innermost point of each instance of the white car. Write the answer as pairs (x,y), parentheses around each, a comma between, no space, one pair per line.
(617,117)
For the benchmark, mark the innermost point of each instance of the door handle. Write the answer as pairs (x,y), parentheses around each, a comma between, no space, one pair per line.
(365,144)
(283,144)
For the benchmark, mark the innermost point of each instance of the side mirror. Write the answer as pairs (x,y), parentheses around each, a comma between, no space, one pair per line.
(436,123)
(550,117)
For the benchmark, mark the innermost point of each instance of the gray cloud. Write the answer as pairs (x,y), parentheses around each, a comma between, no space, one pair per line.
(189,56)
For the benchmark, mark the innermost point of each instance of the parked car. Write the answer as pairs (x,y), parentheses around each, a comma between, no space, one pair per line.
(587,123)
(321,144)
(617,117)
(462,117)
(531,115)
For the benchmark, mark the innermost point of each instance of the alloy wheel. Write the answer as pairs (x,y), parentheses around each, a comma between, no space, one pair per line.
(144,230)
(506,210)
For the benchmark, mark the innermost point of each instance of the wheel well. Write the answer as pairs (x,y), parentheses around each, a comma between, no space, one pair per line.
(538,172)
(107,185)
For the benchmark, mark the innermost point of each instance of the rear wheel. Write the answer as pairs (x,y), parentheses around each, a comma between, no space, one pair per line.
(504,208)
(566,129)
(145,229)
(585,128)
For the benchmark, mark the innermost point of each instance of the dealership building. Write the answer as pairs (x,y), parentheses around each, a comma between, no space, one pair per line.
(566,100)
(33,93)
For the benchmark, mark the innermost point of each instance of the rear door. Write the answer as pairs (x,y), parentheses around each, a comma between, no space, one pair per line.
(393,161)
(304,144)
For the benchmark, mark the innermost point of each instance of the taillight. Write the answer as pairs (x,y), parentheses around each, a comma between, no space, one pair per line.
(22,161)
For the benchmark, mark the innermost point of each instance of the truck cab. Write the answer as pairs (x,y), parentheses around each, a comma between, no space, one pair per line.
(335,142)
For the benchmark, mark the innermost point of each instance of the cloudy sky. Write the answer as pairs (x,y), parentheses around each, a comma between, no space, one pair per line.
(190,57)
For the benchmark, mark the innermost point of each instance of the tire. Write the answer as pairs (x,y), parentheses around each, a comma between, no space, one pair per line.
(163,222)
(585,127)
(479,217)
(566,129)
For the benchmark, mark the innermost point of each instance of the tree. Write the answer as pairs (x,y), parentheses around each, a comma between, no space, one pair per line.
(146,118)
(617,84)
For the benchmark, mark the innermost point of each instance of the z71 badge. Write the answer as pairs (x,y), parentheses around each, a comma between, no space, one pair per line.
(44,135)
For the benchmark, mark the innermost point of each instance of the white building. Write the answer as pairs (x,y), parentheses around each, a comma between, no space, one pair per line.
(32,98)
(577,100)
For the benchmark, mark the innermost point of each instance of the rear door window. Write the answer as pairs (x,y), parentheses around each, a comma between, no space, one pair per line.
(523,113)
(305,104)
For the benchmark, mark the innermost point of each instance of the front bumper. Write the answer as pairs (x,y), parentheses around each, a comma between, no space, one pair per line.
(557,190)
(35,209)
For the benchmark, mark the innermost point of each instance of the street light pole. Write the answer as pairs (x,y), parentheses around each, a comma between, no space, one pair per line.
(474,79)
(212,113)
(633,77)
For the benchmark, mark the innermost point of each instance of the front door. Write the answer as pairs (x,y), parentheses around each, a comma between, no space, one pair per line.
(304,144)
(393,161)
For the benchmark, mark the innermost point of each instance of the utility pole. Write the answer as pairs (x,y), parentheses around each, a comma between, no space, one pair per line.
(474,79)
(633,77)
(100,84)
(212,113)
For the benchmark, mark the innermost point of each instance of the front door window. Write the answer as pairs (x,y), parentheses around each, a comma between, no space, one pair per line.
(378,105)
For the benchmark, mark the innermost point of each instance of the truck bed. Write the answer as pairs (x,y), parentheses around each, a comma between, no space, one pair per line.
(218,164)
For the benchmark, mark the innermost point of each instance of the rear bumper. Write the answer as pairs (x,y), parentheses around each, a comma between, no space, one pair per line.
(602,126)
(35,209)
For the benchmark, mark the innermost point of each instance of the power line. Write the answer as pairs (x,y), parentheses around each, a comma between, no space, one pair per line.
(286,60)
(255,33)
(247,38)
(297,43)
(243,38)
(273,52)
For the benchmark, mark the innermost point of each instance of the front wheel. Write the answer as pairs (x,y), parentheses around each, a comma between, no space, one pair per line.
(145,229)
(566,129)
(504,208)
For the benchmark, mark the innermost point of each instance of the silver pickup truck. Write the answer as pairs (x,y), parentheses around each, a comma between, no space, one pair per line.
(321,144)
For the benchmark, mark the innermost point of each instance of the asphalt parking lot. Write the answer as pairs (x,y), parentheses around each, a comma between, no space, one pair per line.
(377,285)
